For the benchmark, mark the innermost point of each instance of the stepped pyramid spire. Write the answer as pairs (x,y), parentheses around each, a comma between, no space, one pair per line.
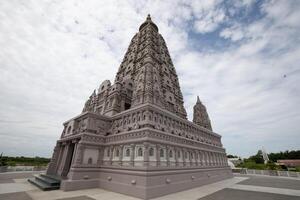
(146,75)
(201,116)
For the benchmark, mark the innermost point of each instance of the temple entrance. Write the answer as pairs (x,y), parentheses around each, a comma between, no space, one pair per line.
(68,159)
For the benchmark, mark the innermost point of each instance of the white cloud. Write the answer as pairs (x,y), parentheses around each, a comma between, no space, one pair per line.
(209,15)
(235,33)
(54,53)
(209,22)
(248,89)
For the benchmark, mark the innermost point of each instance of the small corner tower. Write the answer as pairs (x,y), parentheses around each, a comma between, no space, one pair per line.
(201,117)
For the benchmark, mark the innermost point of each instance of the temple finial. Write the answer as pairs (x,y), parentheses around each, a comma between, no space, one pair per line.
(198,99)
(148,17)
(148,22)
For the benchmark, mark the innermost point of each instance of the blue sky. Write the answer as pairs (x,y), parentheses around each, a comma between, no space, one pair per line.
(241,57)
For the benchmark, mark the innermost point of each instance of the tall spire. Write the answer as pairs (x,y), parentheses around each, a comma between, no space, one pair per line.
(200,115)
(198,99)
(146,75)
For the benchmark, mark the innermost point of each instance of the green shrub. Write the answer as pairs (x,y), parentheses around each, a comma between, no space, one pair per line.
(25,161)
(271,165)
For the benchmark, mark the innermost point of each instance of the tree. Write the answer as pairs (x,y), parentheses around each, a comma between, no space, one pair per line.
(284,155)
(3,160)
(258,158)
(271,165)
(231,156)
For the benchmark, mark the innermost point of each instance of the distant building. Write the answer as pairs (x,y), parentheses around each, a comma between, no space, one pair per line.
(133,136)
(289,163)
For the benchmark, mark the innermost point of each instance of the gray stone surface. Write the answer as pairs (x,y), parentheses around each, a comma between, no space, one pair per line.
(7,181)
(229,189)
(18,175)
(272,182)
(15,196)
(232,194)
(77,198)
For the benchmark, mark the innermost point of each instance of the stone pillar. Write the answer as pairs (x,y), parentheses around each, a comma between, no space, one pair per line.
(175,156)
(201,158)
(197,158)
(100,155)
(189,160)
(61,152)
(63,157)
(157,155)
(132,155)
(66,159)
(180,150)
(222,160)
(215,156)
(184,159)
(120,154)
(146,154)
(111,152)
(205,159)
(167,155)
(222,157)
(74,152)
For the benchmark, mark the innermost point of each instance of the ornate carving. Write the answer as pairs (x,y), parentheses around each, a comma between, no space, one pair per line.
(142,110)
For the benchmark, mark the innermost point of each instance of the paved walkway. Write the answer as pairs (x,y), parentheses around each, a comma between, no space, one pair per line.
(239,187)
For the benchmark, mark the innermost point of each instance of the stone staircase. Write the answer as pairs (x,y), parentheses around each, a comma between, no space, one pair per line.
(46,182)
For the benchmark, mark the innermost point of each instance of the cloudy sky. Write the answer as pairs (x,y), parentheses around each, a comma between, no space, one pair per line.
(241,57)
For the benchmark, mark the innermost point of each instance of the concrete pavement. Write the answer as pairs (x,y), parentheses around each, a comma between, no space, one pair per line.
(239,187)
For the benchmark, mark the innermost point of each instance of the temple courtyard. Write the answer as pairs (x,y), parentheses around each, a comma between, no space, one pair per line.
(14,186)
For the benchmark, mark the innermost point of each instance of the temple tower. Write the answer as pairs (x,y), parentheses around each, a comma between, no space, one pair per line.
(133,137)
(200,115)
(146,75)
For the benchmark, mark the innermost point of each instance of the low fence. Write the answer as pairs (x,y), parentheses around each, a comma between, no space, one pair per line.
(269,172)
(21,168)
(19,175)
